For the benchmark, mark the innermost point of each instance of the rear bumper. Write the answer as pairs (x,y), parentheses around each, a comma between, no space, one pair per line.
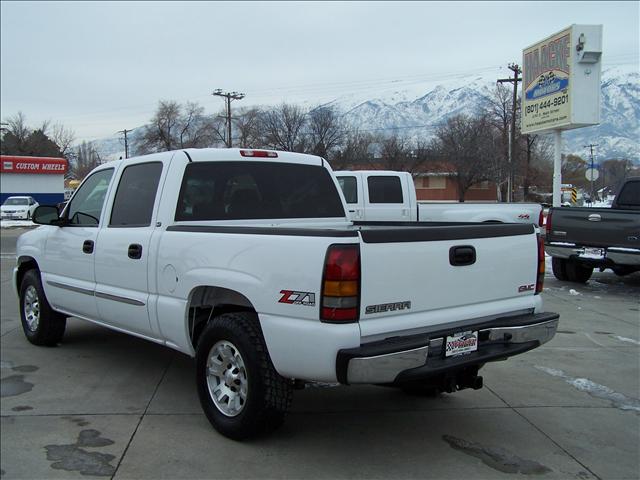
(612,255)
(416,357)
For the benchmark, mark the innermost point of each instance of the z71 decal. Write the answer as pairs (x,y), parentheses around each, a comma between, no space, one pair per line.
(293,297)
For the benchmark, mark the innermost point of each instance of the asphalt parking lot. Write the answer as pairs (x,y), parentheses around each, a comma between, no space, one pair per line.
(109,405)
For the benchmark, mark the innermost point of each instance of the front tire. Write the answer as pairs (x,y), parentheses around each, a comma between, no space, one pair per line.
(40,323)
(240,391)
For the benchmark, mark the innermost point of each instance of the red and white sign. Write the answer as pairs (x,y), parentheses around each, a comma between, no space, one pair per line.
(46,165)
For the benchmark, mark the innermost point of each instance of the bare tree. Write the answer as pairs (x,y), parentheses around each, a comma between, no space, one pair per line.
(18,127)
(499,111)
(83,160)
(614,172)
(63,137)
(467,145)
(354,151)
(161,133)
(176,126)
(284,128)
(248,126)
(325,131)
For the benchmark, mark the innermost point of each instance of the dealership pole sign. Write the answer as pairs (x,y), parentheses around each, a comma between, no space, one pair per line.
(561,76)
(547,85)
(561,86)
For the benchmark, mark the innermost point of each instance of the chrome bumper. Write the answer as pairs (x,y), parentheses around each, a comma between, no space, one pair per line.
(616,256)
(385,368)
(494,343)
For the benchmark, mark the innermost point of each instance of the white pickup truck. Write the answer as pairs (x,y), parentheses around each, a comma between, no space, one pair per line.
(245,259)
(381,195)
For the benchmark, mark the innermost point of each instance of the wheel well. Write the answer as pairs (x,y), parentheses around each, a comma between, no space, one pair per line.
(24,265)
(207,302)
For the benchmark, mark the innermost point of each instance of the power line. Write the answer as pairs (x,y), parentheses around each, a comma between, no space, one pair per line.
(228,96)
(515,68)
(126,144)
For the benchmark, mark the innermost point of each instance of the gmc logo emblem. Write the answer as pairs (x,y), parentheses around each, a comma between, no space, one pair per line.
(526,288)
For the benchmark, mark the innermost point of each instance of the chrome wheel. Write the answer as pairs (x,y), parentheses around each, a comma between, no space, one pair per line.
(227,378)
(31,308)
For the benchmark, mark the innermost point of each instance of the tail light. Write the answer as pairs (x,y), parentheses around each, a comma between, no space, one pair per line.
(340,300)
(548,225)
(541,218)
(540,277)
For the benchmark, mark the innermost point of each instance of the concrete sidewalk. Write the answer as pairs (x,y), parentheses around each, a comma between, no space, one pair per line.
(109,405)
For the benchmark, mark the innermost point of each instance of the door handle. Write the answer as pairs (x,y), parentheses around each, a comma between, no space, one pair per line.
(135,251)
(462,255)
(87,246)
(594,217)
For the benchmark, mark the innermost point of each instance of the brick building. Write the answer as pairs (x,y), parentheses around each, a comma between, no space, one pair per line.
(443,187)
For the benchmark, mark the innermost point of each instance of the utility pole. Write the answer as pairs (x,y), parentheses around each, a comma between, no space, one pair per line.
(228,97)
(590,147)
(126,143)
(515,68)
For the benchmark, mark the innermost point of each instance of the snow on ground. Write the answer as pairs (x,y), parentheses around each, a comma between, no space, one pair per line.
(16,223)
(595,389)
(599,204)
(628,340)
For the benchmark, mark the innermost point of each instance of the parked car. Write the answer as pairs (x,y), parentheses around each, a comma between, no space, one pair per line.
(18,208)
(246,260)
(378,195)
(580,238)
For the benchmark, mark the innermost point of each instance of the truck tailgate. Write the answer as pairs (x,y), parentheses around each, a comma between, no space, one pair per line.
(595,227)
(423,276)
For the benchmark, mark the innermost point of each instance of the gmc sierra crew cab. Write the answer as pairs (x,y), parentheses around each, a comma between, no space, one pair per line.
(581,239)
(245,260)
(381,195)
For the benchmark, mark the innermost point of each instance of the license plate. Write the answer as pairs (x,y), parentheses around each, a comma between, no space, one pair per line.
(460,343)
(592,253)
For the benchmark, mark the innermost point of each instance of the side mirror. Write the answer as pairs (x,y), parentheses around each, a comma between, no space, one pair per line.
(46,215)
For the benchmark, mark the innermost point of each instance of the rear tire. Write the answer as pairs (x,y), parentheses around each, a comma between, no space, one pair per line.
(240,391)
(559,267)
(578,273)
(40,323)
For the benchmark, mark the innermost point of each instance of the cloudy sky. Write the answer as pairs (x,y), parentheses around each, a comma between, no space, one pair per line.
(99,67)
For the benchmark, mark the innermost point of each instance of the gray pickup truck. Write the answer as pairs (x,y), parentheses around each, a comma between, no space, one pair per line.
(581,239)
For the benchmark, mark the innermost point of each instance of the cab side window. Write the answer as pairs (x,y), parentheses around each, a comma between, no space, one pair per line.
(349,187)
(86,206)
(136,195)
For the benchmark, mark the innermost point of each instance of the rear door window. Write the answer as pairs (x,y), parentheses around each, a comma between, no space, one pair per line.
(256,190)
(385,190)
(136,194)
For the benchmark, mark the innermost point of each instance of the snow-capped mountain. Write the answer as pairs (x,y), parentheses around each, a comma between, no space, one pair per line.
(618,135)
(415,106)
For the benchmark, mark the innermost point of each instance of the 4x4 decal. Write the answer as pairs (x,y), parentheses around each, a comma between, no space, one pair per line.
(293,297)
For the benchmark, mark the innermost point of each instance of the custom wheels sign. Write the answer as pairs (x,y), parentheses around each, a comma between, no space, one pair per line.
(547,83)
